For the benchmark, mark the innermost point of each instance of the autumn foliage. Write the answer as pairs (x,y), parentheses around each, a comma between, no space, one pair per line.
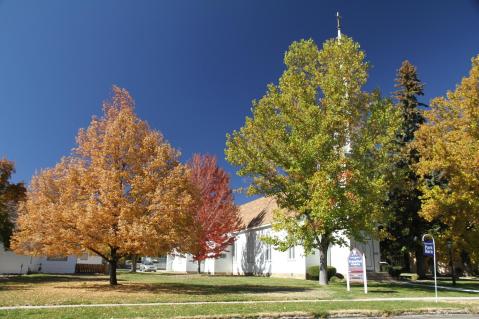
(448,144)
(122,191)
(216,216)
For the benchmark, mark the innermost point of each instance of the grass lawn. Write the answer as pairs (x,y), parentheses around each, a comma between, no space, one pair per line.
(157,287)
(465,283)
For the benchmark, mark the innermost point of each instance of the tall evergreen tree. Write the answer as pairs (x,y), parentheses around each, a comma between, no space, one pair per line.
(406,226)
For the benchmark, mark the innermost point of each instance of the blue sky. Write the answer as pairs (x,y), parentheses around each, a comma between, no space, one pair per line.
(193,67)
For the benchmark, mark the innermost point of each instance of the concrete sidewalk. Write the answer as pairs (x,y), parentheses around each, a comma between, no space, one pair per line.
(432,299)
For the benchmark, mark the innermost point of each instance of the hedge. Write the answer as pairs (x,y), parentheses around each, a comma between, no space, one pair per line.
(313,272)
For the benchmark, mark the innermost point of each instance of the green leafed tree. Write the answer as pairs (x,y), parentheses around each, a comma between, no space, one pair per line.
(407,226)
(10,195)
(320,146)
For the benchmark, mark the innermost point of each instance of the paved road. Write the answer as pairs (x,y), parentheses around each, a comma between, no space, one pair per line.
(438,316)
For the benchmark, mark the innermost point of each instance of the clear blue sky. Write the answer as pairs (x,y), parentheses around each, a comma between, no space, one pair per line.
(193,67)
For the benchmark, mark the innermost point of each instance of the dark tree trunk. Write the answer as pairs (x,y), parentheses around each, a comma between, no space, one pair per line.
(113,264)
(406,262)
(453,269)
(199,266)
(420,262)
(134,260)
(323,261)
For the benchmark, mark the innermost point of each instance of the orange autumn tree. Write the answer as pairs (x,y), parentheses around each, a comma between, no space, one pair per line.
(216,216)
(448,145)
(122,191)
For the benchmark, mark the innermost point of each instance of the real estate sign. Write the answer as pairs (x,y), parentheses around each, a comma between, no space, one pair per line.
(357,269)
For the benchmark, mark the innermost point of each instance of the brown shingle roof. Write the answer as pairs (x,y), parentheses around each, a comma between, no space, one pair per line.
(258,212)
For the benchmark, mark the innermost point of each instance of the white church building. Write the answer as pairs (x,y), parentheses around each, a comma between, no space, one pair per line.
(251,256)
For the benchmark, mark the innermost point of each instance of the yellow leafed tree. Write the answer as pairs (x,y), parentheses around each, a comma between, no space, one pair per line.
(448,144)
(122,191)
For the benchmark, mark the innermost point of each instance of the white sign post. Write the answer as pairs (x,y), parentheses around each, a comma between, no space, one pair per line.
(430,250)
(356,269)
(365,278)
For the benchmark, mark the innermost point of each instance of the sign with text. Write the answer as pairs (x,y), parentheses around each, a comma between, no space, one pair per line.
(356,269)
(355,263)
(429,248)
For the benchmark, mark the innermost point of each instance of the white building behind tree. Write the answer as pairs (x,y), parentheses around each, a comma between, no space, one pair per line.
(249,255)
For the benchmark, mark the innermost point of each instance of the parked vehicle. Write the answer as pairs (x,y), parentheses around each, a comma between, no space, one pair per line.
(147,266)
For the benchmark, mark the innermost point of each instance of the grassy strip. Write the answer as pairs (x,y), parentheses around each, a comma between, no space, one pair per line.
(244,310)
(146,288)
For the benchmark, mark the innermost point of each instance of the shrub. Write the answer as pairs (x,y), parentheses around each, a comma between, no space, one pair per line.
(336,279)
(395,271)
(313,272)
(331,272)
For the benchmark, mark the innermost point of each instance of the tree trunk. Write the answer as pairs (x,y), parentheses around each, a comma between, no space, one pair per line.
(199,266)
(323,261)
(113,263)
(134,259)
(406,262)
(453,269)
(420,262)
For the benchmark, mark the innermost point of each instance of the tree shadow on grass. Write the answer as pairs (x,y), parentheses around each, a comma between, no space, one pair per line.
(38,279)
(382,291)
(194,289)
(412,289)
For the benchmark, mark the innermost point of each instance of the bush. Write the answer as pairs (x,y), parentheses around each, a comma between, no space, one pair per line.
(395,271)
(313,272)
(331,272)
(336,279)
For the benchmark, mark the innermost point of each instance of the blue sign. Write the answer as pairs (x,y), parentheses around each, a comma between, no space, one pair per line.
(428,248)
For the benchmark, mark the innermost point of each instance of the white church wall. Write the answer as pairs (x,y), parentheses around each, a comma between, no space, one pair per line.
(312,259)
(176,263)
(289,263)
(250,253)
(209,266)
(253,256)
(338,258)
(183,263)
(224,264)
(191,265)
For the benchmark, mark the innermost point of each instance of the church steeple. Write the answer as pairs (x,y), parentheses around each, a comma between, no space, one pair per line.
(338,18)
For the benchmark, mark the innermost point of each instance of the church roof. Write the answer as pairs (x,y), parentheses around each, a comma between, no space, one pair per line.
(258,212)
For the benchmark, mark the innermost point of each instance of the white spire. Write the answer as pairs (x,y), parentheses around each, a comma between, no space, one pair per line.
(338,18)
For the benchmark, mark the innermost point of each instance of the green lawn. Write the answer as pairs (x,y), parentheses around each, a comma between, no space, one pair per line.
(464,283)
(156,287)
